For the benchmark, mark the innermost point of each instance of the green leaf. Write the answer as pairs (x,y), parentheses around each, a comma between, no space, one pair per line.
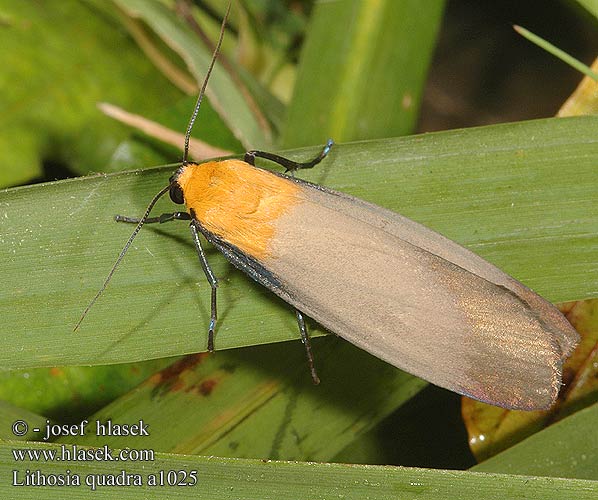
(17,423)
(223,91)
(556,52)
(219,478)
(71,392)
(362,70)
(505,191)
(568,448)
(261,402)
(50,89)
(590,5)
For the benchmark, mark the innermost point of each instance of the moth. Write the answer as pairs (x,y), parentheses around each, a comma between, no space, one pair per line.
(389,285)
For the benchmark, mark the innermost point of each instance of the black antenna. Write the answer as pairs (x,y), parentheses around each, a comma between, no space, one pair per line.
(123,252)
(204,85)
(164,190)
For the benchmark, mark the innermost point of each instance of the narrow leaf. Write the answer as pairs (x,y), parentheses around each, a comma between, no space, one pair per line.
(224,94)
(362,70)
(555,51)
(256,402)
(505,191)
(219,478)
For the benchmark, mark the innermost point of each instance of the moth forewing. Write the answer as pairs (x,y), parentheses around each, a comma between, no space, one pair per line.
(385,283)
(389,285)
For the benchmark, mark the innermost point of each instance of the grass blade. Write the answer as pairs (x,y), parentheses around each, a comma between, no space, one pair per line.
(219,478)
(222,91)
(556,52)
(255,403)
(362,70)
(505,191)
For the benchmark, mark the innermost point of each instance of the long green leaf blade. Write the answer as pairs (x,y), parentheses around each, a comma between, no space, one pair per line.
(505,191)
(219,478)
(256,402)
(556,52)
(224,95)
(362,70)
(50,91)
(590,5)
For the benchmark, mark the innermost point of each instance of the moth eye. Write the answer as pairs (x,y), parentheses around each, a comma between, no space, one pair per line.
(176,194)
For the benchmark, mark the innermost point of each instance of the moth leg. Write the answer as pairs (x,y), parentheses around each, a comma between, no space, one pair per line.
(160,219)
(307,344)
(289,165)
(211,280)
